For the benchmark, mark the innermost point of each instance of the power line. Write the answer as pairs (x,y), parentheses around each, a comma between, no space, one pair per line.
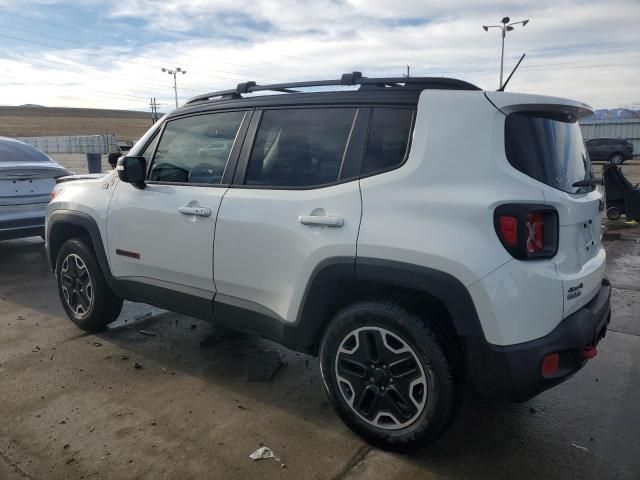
(131,62)
(79,69)
(100,93)
(466,60)
(541,67)
(115,39)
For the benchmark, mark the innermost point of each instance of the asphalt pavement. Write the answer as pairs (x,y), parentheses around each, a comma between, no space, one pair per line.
(165,396)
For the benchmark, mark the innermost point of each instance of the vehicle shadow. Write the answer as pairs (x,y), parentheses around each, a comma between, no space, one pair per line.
(26,256)
(173,342)
(26,280)
(243,364)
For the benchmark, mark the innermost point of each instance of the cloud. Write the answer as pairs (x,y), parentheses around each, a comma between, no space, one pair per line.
(581,49)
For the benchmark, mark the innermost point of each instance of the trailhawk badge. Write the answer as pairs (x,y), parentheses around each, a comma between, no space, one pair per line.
(574,292)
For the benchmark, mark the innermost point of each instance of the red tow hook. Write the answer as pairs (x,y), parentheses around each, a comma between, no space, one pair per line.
(589,352)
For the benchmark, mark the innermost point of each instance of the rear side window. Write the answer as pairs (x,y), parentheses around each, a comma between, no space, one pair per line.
(547,148)
(300,147)
(195,149)
(388,138)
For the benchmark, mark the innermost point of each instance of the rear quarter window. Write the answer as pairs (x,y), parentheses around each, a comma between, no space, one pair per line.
(388,140)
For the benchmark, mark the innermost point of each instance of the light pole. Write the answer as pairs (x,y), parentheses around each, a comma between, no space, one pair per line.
(174,72)
(504,28)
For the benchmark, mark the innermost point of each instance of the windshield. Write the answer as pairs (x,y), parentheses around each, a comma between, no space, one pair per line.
(548,148)
(18,152)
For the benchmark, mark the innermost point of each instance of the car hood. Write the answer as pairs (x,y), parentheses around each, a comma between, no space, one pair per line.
(85,176)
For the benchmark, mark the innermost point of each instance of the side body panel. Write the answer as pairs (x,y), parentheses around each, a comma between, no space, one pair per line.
(149,239)
(437,212)
(265,255)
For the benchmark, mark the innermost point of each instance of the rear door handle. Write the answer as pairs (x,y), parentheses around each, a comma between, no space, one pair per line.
(199,211)
(321,220)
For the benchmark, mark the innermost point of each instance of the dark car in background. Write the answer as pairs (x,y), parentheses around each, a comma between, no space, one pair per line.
(27,177)
(614,150)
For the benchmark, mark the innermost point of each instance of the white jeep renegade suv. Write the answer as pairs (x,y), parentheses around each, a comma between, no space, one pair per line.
(417,234)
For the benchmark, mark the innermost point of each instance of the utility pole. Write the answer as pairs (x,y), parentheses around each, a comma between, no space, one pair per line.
(174,72)
(408,74)
(504,28)
(154,109)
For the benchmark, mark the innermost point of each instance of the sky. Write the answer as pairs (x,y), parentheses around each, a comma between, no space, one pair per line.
(109,54)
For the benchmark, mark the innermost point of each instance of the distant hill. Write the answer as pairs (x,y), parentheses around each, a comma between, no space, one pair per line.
(33,120)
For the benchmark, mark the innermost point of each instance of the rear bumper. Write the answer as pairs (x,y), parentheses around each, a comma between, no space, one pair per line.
(515,371)
(19,221)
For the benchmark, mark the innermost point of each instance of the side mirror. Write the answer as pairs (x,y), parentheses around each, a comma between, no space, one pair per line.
(132,170)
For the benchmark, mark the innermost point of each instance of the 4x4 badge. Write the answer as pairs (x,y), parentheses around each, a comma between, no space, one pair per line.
(574,292)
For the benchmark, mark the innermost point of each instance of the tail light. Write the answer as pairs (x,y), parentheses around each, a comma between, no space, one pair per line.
(508,230)
(535,232)
(527,231)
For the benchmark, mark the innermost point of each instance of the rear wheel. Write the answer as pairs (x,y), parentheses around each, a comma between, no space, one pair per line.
(613,213)
(616,158)
(85,295)
(387,375)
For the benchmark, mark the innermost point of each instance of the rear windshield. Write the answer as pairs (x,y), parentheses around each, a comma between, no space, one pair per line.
(17,152)
(547,148)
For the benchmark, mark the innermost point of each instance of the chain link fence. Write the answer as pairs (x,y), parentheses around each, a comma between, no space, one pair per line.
(100,144)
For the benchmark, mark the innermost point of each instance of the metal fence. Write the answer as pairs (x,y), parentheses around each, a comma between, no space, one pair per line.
(74,143)
(628,129)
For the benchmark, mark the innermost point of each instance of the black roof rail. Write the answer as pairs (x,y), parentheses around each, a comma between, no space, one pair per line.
(348,79)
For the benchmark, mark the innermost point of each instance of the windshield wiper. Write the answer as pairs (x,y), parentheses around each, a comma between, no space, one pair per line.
(589,182)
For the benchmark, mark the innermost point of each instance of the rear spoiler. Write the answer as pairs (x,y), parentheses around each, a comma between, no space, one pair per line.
(521,102)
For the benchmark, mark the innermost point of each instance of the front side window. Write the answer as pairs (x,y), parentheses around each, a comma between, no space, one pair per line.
(195,149)
(388,138)
(147,153)
(299,147)
(548,148)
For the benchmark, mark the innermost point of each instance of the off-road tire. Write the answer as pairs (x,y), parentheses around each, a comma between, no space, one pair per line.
(431,348)
(103,305)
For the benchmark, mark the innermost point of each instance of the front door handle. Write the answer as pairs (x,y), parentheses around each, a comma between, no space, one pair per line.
(199,211)
(321,220)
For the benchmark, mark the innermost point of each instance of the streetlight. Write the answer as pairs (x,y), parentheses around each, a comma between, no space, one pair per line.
(174,72)
(504,28)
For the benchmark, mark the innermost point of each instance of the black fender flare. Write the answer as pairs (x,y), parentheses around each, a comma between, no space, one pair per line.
(58,219)
(331,274)
(486,370)
(441,285)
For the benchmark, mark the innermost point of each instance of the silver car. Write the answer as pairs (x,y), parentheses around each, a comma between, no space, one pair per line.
(27,177)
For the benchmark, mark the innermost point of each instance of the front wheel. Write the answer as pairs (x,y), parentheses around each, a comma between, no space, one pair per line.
(387,375)
(84,293)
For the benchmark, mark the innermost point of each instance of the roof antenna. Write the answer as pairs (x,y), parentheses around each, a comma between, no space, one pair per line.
(501,89)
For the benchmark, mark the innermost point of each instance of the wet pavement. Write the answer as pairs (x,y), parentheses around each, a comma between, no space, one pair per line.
(161,395)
